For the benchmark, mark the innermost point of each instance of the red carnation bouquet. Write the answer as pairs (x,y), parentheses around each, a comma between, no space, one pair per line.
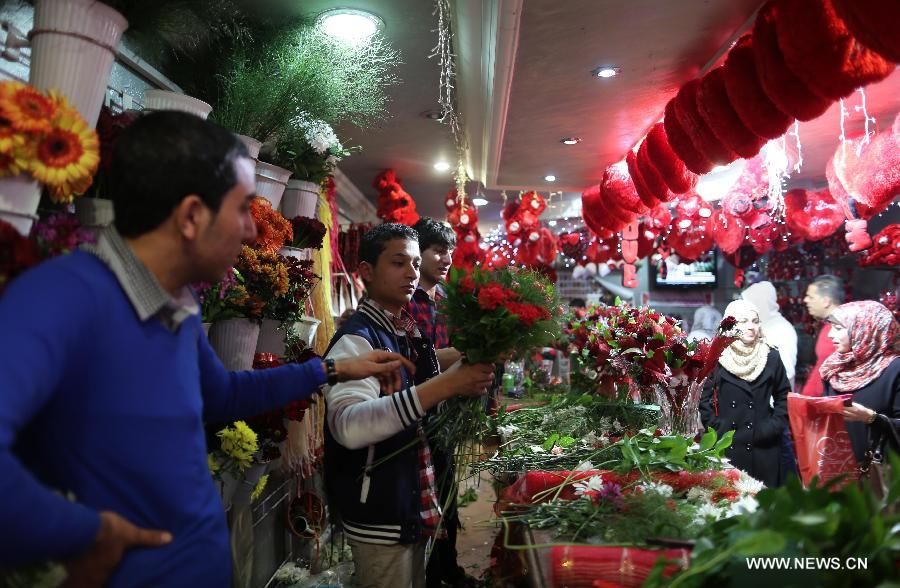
(309,233)
(635,354)
(492,314)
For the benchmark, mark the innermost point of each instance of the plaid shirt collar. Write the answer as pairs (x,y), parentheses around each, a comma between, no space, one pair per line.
(143,290)
(401,324)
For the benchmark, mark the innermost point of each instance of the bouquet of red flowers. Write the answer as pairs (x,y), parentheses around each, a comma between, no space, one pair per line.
(17,253)
(308,232)
(273,230)
(641,355)
(491,314)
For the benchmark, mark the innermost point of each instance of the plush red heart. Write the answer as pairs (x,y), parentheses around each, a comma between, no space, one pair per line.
(618,189)
(812,216)
(728,231)
(690,234)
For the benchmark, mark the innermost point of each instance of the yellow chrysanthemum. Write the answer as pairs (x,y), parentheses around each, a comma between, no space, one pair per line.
(212,463)
(258,489)
(27,109)
(67,157)
(239,443)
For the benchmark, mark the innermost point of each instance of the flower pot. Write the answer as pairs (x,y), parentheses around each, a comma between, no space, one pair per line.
(73,44)
(271,182)
(306,328)
(244,487)
(165,100)
(234,341)
(206,327)
(19,199)
(301,198)
(94,213)
(271,340)
(304,254)
(253,146)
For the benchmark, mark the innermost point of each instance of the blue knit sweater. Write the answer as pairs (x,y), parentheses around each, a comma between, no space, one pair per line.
(95,402)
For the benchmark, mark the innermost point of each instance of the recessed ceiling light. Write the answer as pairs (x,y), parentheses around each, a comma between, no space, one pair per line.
(570,140)
(606,71)
(349,24)
(479,201)
(550,178)
(442,166)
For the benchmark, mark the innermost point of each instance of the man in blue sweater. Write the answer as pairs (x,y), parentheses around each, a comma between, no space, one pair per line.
(106,376)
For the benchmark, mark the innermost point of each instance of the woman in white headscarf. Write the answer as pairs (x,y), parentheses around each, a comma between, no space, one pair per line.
(779,331)
(706,323)
(747,393)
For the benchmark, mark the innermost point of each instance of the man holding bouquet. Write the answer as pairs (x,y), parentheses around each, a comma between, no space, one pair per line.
(379,472)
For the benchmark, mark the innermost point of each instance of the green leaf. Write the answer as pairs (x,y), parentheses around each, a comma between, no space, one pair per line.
(708,441)
(810,519)
(760,543)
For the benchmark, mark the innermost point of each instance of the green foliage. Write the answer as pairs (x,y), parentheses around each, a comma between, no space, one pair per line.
(791,521)
(467,497)
(266,88)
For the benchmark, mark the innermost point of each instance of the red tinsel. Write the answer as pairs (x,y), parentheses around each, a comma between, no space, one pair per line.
(394,204)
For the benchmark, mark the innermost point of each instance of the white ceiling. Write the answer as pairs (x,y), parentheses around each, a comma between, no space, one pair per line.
(525,83)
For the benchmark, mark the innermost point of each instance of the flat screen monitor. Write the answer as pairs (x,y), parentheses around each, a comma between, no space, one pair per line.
(699,274)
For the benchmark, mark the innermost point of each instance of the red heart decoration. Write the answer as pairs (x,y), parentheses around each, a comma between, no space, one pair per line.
(629,276)
(729,231)
(812,216)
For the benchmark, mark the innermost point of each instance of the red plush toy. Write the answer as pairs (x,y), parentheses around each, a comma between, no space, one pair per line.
(461,218)
(716,109)
(812,216)
(747,199)
(676,175)
(619,192)
(782,86)
(681,143)
(885,248)
(690,235)
(537,249)
(468,250)
(394,204)
(637,180)
(750,102)
(874,23)
(729,231)
(821,51)
(651,176)
(698,130)
(595,213)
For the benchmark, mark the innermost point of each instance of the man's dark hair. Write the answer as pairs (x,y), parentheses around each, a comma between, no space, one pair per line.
(830,286)
(577,303)
(433,232)
(161,158)
(375,240)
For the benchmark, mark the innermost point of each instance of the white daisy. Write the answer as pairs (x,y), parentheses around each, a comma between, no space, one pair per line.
(537,449)
(584,466)
(663,490)
(698,494)
(744,505)
(594,483)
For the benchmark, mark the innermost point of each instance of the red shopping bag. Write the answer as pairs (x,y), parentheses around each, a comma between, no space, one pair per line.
(820,437)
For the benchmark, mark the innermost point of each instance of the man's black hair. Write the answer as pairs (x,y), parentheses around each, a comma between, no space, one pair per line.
(433,232)
(375,240)
(161,158)
(577,303)
(830,286)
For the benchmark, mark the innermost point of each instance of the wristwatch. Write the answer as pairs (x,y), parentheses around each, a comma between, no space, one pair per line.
(331,372)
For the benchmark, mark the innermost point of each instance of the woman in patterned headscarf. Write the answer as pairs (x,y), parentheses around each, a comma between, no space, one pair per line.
(747,393)
(866,364)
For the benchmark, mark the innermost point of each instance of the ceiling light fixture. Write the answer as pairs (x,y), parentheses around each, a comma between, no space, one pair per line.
(550,178)
(349,24)
(570,140)
(442,166)
(551,223)
(606,71)
(479,201)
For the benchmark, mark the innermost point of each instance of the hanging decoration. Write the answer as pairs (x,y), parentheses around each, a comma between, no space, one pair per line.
(630,254)
(690,235)
(394,204)
(463,218)
(812,216)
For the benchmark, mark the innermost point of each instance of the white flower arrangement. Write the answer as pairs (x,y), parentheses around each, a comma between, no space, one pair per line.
(584,466)
(291,573)
(748,485)
(320,135)
(744,505)
(663,490)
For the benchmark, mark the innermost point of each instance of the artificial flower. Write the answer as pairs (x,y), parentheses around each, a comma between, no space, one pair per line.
(66,158)
(27,109)
(592,484)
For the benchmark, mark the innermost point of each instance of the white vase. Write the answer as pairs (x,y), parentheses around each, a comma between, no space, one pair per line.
(271,340)
(94,212)
(301,198)
(271,182)
(304,254)
(234,341)
(253,146)
(244,488)
(306,328)
(206,327)
(19,199)
(165,100)
(73,46)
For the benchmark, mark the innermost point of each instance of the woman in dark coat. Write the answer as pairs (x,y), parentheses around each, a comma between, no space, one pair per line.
(866,363)
(747,393)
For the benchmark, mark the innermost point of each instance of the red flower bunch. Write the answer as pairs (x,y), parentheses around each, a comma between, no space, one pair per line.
(273,230)
(17,254)
(109,128)
(493,313)
(309,233)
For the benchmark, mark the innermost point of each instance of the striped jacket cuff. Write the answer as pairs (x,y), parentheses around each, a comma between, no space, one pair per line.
(406,403)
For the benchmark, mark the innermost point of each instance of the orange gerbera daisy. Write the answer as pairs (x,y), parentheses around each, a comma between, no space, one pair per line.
(9,137)
(66,158)
(27,109)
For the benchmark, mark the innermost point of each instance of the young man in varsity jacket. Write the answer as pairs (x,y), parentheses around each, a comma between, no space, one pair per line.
(378,470)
